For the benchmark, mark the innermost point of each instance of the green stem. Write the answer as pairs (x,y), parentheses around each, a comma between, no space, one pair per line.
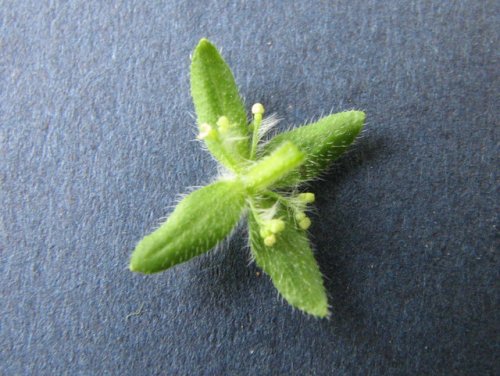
(273,167)
(255,212)
(286,202)
(255,135)
(278,197)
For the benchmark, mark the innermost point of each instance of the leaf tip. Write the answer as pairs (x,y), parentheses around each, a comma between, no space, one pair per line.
(139,261)
(317,308)
(203,45)
(135,264)
(358,120)
(132,267)
(320,312)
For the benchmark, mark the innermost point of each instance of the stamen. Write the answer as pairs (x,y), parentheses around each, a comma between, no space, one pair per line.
(206,131)
(305,223)
(270,240)
(223,124)
(258,109)
(299,216)
(307,197)
(265,232)
(276,225)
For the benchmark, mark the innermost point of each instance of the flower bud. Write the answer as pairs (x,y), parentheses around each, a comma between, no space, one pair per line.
(265,232)
(270,240)
(307,197)
(206,132)
(305,223)
(223,124)
(258,108)
(299,216)
(276,225)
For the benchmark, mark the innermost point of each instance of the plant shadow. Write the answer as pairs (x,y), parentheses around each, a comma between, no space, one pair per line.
(332,249)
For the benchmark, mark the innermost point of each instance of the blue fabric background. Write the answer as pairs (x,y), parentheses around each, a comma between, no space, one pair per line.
(96,131)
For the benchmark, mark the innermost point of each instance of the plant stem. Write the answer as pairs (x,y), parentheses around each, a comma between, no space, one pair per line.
(255,212)
(257,121)
(273,167)
(278,197)
(286,202)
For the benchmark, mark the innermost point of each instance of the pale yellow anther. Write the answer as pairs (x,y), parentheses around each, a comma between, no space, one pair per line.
(299,216)
(276,225)
(265,232)
(206,130)
(258,108)
(305,223)
(270,240)
(223,124)
(307,197)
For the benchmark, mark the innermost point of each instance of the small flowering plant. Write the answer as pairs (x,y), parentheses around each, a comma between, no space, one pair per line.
(261,180)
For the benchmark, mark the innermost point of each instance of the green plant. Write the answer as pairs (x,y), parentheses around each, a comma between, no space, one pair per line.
(262,181)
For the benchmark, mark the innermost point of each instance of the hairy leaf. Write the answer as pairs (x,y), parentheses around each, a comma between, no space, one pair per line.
(198,223)
(215,94)
(291,265)
(322,142)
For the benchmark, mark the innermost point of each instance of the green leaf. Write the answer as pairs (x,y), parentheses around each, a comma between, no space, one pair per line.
(291,265)
(273,167)
(215,94)
(198,223)
(322,142)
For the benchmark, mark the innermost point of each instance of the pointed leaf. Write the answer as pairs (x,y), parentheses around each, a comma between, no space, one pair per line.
(322,142)
(198,223)
(291,265)
(215,94)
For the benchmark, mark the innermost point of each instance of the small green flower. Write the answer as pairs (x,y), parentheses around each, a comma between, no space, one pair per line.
(262,182)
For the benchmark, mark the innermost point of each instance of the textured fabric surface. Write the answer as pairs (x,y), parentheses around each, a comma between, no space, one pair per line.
(96,142)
